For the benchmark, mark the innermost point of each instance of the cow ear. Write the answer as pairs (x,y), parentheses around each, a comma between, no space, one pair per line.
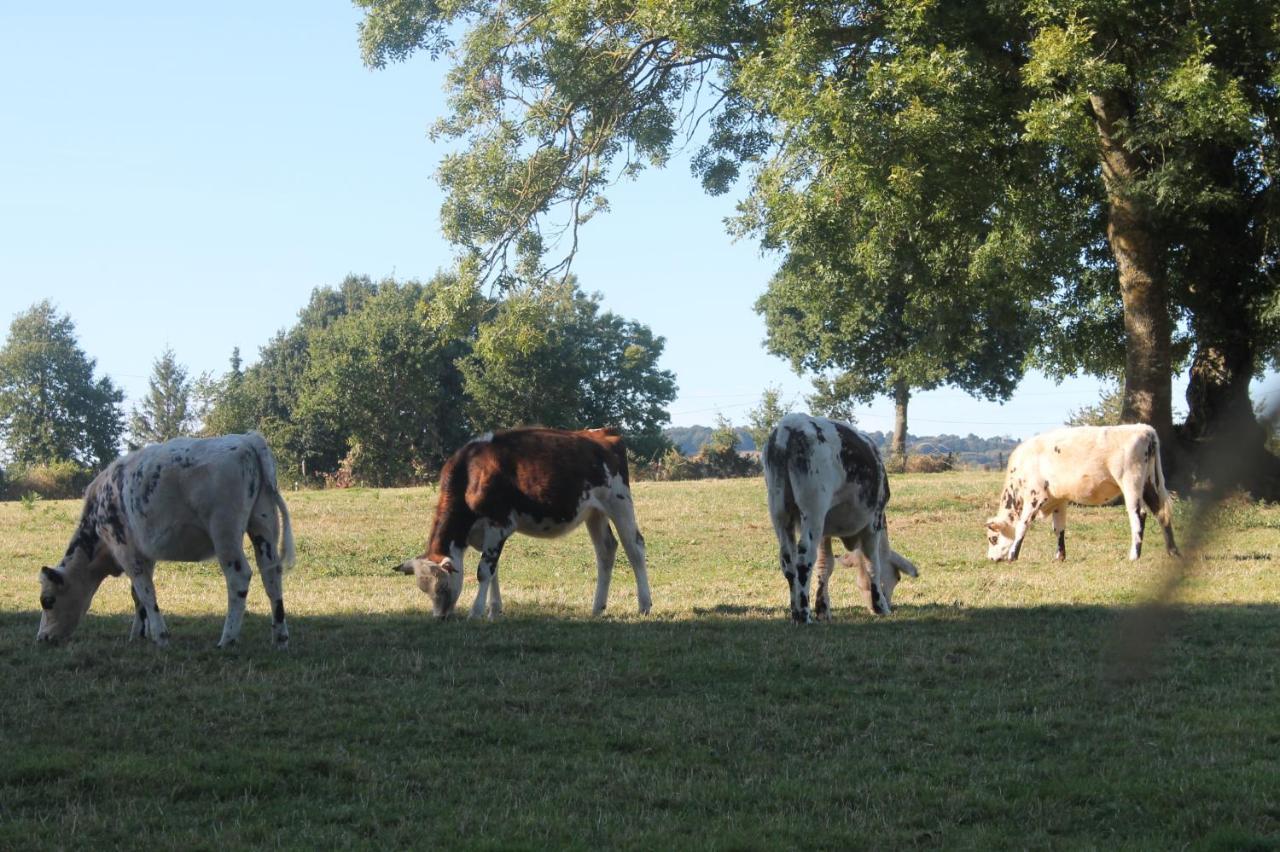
(53,575)
(405,567)
(993,526)
(445,566)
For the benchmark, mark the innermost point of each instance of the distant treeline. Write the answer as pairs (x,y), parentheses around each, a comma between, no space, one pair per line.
(968,449)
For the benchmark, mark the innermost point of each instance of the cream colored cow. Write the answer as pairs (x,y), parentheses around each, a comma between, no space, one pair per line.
(1089,465)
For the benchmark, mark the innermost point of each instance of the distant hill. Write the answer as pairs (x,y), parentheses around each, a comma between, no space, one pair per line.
(968,450)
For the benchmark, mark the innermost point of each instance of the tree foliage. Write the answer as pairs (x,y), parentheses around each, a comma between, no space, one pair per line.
(381,381)
(1097,174)
(52,409)
(167,411)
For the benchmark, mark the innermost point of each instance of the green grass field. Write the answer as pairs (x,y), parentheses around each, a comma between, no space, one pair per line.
(988,711)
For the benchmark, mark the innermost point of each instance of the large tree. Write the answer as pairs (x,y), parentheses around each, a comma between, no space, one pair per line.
(51,406)
(1121,141)
(166,411)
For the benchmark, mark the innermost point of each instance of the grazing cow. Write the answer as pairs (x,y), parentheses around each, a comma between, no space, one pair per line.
(1090,465)
(540,482)
(185,500)
(826,479)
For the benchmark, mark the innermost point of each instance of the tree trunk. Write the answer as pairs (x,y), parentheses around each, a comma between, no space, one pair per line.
(1222,268)
(1131,233)
(898,447)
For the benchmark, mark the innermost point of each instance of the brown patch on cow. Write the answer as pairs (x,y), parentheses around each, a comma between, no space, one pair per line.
(537,472)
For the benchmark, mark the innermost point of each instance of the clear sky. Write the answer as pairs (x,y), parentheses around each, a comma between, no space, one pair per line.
(184,175)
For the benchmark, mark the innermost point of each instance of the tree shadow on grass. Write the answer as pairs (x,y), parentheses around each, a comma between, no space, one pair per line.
(969,727)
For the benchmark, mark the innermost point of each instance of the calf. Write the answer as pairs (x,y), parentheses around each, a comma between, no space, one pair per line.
(1090,465)
(826,479)
(540,482)
(185,500)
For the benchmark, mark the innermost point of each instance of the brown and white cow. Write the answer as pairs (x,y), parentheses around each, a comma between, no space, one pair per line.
(540,482)
(1089,465)
(185,500)
(825,479)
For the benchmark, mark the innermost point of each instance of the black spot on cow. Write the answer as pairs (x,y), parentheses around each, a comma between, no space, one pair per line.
(277,611)
(1055,449)
(819,437)
(164,634)
(46,601)
(85,538)
(639,538)
(802,573)
(789,575)
(1062,544)
(798,449)
(875,599)
(243,593)
(236,566)
(801,548)
(775,457)
(861,462)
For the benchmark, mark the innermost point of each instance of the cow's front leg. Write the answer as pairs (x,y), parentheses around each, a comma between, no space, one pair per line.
(147,618)
(236,571)
(494,540)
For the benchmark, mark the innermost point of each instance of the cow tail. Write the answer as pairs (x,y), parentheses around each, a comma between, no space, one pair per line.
(1165,510)
(288,553)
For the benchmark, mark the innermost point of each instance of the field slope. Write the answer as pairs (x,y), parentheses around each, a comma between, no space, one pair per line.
(988,711)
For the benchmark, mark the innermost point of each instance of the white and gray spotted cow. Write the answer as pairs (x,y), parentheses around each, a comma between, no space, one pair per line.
(186,500)
(540,482)
(825,479)
(1089,465)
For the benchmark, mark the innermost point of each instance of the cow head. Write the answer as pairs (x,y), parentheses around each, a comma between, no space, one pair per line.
(1000,537)
(66,592)
(891,574)
(441,581)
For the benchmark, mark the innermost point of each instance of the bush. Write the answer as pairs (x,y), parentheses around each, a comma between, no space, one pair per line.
(58,480)
(930,463)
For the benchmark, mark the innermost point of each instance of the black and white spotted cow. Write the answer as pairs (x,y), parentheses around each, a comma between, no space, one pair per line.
(824,480)
(1089,465)
(186,500)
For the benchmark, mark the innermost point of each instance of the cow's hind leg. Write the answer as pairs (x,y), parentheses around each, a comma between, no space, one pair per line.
(264,534)
(228,546)
(606,547)
(1137,516)
(624,520)
(1162,507)
(1060,530)
(822,597)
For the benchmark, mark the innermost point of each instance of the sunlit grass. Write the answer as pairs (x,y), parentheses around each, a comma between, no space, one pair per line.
(983,713)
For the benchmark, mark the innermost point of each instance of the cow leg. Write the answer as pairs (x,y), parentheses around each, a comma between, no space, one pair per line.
(806,555)
(822,597)
(495,597)
(1161,506)
(271,572)
(139,627)
(1060,529)
(237,573)
(494,540)
(606,547)
(147,618)
(874,544)
(624,520)
(1137,516)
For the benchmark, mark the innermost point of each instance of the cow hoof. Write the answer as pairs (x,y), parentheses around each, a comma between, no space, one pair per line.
(282,645)
(645,607)
(226,643)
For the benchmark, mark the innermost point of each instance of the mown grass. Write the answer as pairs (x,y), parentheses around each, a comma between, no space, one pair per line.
(986,712)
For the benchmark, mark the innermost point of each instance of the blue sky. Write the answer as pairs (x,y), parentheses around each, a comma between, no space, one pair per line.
(185,178)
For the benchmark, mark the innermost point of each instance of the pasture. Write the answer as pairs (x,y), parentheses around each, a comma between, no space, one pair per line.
(988,711)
